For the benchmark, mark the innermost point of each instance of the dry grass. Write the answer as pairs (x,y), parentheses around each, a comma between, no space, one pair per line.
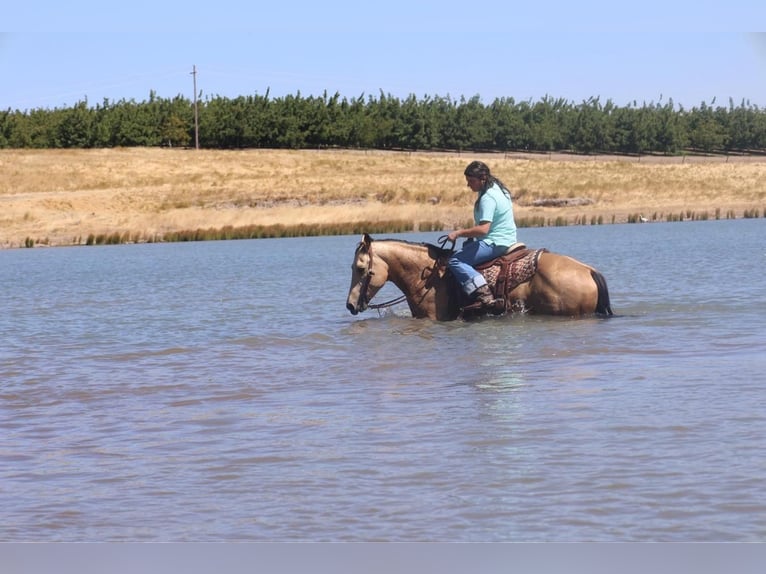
(59,197)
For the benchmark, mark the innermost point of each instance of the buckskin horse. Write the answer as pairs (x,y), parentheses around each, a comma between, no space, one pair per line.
(527,281)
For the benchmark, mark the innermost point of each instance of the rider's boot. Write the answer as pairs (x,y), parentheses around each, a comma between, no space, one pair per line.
(488,302)
(484,296)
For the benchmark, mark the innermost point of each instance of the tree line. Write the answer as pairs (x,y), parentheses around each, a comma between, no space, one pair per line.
(428,123)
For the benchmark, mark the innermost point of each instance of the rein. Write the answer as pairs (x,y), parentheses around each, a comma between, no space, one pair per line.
(368,277)
(390,303)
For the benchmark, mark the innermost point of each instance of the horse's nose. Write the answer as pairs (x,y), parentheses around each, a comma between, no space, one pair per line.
(353,310)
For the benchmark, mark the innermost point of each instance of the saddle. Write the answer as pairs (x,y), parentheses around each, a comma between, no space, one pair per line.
(503,274)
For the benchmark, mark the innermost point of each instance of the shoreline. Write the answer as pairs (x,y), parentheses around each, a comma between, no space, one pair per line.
(65,197)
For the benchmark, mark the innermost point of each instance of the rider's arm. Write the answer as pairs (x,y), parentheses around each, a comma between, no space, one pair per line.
(479,230)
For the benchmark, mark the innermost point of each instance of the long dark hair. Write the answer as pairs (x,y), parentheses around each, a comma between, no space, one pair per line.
(480,170)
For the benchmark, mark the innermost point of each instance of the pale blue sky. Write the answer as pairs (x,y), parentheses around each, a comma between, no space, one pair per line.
(646,51)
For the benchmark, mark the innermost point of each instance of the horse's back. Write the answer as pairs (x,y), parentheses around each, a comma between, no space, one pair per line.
(564,286)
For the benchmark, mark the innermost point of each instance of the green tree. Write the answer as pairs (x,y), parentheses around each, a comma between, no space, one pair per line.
(75,130)
(509,131)
(362,131)
(671,136)
(544,120)
(175,131)
(590,129)
(705,130)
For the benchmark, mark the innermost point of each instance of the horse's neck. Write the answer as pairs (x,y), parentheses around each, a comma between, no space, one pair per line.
(407,265)
(420,277)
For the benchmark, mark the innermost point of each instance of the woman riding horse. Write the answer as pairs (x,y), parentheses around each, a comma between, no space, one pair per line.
(494,230)
(558,285)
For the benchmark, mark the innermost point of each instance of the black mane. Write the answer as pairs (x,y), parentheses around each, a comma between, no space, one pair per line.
(433,250)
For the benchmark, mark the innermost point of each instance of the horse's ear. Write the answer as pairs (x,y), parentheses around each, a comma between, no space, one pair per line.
(366,240)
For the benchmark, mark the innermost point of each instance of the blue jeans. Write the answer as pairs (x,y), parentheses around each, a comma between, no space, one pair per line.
(462,262)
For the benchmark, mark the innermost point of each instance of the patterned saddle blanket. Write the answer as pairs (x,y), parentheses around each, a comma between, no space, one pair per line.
(509,271)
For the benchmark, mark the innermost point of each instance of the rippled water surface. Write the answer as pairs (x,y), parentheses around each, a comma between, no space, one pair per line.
(221,391)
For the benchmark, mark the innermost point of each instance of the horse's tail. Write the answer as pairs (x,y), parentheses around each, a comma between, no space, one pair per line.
(603,305)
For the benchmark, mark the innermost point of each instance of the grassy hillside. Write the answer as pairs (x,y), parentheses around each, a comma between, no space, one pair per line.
(63,197)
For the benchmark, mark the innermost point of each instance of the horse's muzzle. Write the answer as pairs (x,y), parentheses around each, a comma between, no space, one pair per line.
(352,309)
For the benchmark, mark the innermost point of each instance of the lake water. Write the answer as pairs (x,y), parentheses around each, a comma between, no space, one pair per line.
(221,391)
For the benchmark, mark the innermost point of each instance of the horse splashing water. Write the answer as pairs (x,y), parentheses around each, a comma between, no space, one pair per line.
(536,282)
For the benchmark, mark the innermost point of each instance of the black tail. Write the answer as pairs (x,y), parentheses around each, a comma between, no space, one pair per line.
(603,306)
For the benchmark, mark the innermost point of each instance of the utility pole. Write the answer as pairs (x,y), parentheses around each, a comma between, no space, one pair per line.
(196,114)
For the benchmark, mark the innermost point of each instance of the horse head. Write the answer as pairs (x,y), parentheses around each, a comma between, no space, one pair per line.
(368,274)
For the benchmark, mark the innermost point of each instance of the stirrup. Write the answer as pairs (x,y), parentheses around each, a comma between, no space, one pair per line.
(475,306)
(497,307)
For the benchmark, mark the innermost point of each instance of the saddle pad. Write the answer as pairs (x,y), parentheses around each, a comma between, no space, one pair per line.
(520,270)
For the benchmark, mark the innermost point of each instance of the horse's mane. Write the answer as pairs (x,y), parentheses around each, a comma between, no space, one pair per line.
(434,251)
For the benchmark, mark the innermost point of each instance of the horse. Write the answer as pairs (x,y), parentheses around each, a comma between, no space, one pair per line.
(535,281)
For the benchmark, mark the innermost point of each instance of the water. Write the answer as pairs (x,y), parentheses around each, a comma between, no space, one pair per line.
(221,391)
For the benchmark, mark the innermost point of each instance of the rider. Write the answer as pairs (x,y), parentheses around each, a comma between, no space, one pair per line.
(493,232)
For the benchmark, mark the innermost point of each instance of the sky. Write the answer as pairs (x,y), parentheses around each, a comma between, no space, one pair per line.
(645,51)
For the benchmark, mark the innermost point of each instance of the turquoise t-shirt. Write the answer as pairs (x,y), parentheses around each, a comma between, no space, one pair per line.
(495,206)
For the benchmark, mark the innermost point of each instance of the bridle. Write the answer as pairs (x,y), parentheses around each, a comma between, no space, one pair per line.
(364,295)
